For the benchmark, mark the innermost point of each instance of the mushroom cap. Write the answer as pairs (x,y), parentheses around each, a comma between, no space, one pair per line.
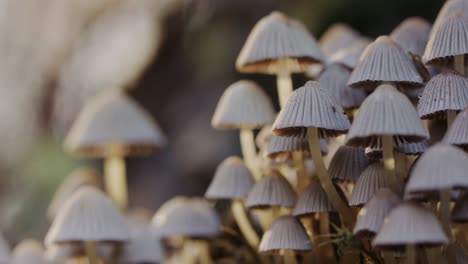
(79,177)
(384,61)
(286,232)
(349,57)
(412,35)
(410,223)
(347,164)
(457,134)
(334,78)
(445,91)
(271,190)
(277,37)
(186,217)
(460,210)
(312,200)
(28,251)
(243,105)
(4,250)
(311,106)
(88,215)
(143,246)
(413,148)
(60,253)
(372,179)
(448,40)
(281,148)
(232,180)
(337,36)
(442,166)
(113,119)
(371,217)
(386,112)
(449,9)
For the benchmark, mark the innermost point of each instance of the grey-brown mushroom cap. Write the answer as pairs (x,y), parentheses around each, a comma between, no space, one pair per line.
(282,148)
(243,104)
(384,61)
(28,251)
(441,167)
(448,40)
(113,118)
(311,106)
(273,189)
(286,232)
(410,223)
(457,134)
(386,112)
(460,210)
(347,164)
(372,179)
(371,217)
(312,200)
(277,37)
(337,37)
(88,215)
(349,57)
(449,9)
(416,148)
(445,91)
(412,35)
(186,217)
(232,180)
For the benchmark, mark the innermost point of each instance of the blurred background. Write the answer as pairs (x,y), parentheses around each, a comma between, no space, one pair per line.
(175,57)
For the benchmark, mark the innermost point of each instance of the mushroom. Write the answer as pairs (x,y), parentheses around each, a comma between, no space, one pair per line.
(312,111)
(28,251)
(371,180)
(281,46)
(244,106)
(412,35)
(88,217)
(457,134)
(347,164)
(113,126)
(349,57)
(233,181)
(337,37)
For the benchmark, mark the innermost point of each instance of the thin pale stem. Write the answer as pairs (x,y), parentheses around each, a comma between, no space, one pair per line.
(115,179)
(204,252)
(91,252)
(459,64)
(401,166)
(301,173)
(243,222)
(284,85)
(337,201)
(289,257)
(451,115)
(411,257)
(389,162)
(249,151)
(327,248)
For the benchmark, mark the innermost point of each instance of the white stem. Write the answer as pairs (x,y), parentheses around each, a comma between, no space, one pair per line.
(249,151)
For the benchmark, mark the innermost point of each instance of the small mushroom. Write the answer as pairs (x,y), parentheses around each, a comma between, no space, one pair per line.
(371,180)
(457,134)
(347,164)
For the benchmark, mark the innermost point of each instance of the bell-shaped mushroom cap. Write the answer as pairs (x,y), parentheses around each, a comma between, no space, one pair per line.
(349,57)
(243,105)
(272,190)
(76,179)
(113,118)
(445,91)
(372,215)
(460,210)
(263,137)
(286,232)
(312,200)
(88,215)
(277,37)
(372,179)
(413,148)
(442,166)
(384,61)
(334,78)
(448,40)
(311,106)
(4,250)
(232,180)
(347,164)
(28,251)
(386,112)
(457,134)
(281,148)
(186,217)
(144,246)
(410,223)
(412,35)
(449,9)
(336,37)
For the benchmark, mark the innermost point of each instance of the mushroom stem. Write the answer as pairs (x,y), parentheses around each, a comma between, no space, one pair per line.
(327,251)
(444,212)
(203,252)
(246,228)
(389,162)
(249,151)
(451,115)
(459,64)
(115,179)
(301,173)
(91,252)
(284,84)
(401,166)
(289,257)
(411,256)
(337,201)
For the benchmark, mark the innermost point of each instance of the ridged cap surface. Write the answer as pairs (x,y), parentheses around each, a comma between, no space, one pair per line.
(386,112)
(272,190)
(277,37)
(413,148)
(412,35)
(457,134)
(384,61)
(347,164)
(312,200)
(186,217)
(143,247)
(113,118)
(243,105)
(410,223)
(372,179)
(281,148)
(311,106)
(286,232)
(232,180)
